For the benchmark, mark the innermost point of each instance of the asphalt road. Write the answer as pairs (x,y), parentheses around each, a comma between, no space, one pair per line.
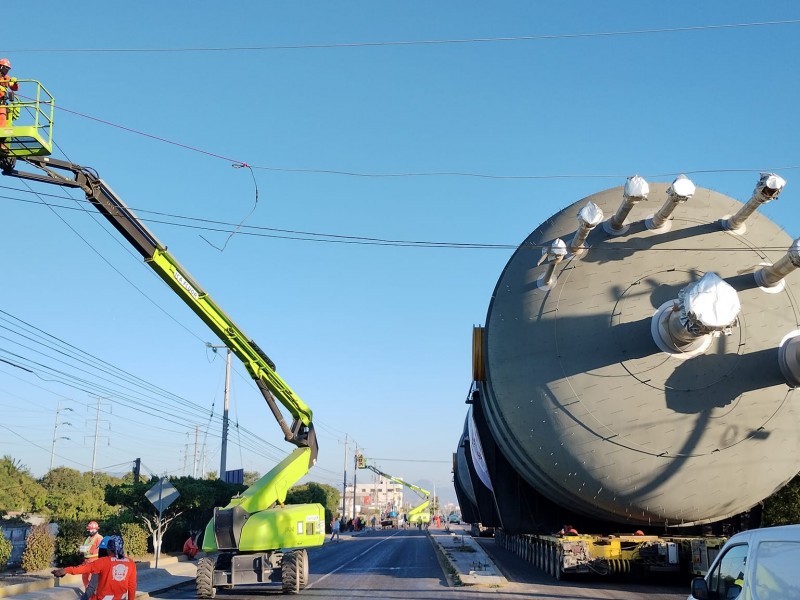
(400,565)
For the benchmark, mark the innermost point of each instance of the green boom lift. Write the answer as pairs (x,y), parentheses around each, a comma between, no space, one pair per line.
(420,514)
(256,538)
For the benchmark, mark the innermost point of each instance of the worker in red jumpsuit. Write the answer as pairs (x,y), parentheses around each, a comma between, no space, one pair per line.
(190,548)
(89,548)
(8,85)
(116,573)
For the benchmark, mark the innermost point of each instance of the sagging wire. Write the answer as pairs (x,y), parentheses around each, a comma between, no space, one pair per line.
(236,229)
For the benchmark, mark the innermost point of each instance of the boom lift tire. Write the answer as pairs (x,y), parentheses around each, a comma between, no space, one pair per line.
(290,572)
(205,578)
(302,568)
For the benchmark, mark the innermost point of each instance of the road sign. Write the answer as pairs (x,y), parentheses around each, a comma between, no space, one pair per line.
(162,494)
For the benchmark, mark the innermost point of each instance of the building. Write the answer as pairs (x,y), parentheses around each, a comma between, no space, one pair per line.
(373,494)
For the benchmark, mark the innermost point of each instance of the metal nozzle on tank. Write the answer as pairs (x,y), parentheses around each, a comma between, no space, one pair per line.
(589,217)
(771,276)
(789,358)
(707,308)
(768,188)
(553,255)
(636,189)
(680,191)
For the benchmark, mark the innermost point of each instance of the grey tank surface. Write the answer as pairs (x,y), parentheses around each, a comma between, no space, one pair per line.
(647,373)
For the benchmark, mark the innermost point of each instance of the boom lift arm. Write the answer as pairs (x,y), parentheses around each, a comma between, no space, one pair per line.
(416,514)
(261,368)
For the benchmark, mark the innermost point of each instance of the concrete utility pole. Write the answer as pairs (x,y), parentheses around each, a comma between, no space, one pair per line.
(224,450)
(344,481)
(355,473)
(194,462)
(96,433)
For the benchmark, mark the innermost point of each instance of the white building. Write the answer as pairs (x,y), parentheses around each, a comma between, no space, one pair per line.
(374,494)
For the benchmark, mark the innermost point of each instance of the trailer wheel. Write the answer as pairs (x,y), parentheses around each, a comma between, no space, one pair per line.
(204,580)
(302,568)
(290,577)
(557,566)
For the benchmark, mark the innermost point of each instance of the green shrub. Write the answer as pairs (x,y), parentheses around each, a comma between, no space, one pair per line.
(70,536)
(5,550)
(39,549)
(135,539)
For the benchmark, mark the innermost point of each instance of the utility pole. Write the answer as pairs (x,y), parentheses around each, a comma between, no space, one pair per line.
(344,481)
(96,433)
(55,433)
(355,474)
(194,462)
(224,450)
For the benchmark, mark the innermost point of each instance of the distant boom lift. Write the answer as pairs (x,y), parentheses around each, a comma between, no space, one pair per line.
(418,514)
(255,538)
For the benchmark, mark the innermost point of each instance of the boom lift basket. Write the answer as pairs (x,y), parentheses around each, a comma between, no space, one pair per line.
(30,121)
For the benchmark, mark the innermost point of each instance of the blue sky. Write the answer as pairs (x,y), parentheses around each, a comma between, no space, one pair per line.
(351,130)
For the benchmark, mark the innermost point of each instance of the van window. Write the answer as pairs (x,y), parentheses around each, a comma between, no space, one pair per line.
(725,581)
(777,571)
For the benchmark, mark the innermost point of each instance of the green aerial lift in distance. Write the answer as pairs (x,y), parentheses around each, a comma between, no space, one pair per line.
(420,514)
(256,538)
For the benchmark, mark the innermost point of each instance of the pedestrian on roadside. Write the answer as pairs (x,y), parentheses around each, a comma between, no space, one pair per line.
(336,525)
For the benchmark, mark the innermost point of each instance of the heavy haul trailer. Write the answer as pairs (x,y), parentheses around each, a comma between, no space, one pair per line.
(637,371)
(639,555)
(256,538)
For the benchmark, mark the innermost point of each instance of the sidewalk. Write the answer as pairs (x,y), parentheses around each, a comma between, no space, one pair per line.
(469,562)
(172,571)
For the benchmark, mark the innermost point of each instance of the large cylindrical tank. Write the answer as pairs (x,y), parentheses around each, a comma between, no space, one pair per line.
(617,388)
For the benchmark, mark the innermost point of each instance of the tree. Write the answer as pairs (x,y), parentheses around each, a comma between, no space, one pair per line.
(783,507)
(192,510)
(77,497)
(312,493)
(19,491)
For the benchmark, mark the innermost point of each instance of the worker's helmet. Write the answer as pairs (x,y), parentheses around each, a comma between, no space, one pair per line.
(4,62)
(93,527)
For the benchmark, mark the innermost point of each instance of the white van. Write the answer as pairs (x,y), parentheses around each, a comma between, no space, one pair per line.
(760,564)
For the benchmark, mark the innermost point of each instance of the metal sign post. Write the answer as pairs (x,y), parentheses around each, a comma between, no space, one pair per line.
(161,495)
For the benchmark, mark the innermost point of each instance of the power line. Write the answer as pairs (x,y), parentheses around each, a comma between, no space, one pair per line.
(430,42)
(331,238)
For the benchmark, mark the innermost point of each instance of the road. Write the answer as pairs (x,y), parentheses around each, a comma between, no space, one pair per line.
(400,565)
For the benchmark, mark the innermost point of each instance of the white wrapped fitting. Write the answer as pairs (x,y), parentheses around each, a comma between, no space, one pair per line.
(703,309)
(589,217)
(709,305)
(680,191)
(636,189)
(768,188)
(553,255)
(772,275)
